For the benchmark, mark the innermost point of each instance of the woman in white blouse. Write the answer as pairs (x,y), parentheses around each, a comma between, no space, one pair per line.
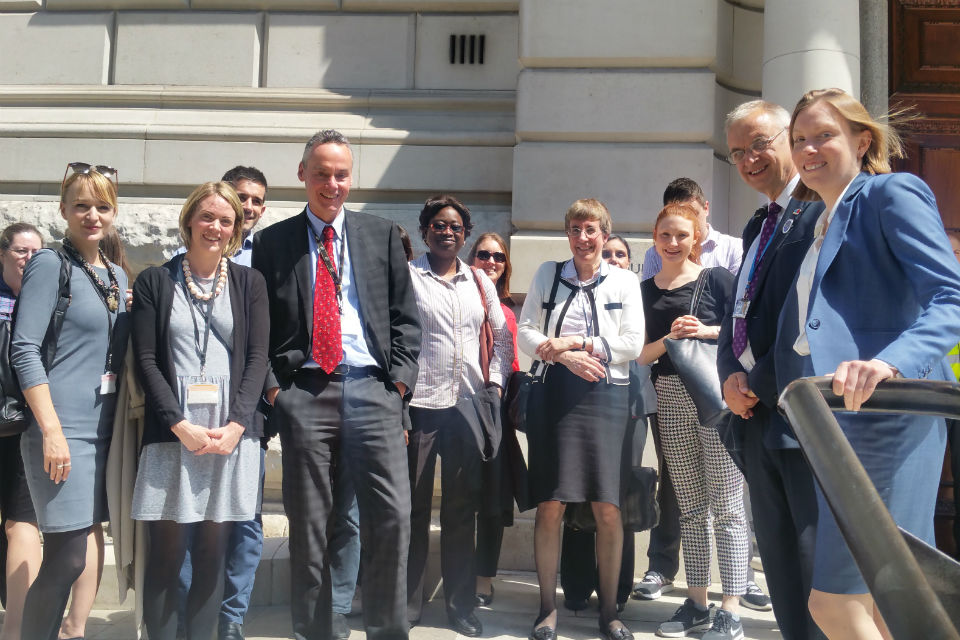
(593,330)
(452,314)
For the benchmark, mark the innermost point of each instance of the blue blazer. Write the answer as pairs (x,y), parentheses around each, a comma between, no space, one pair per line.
(886,286)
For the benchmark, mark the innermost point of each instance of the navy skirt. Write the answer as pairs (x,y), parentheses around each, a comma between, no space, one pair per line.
(577,439)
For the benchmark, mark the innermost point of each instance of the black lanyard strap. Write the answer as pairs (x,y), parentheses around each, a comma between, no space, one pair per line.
(334,272)
(207,321)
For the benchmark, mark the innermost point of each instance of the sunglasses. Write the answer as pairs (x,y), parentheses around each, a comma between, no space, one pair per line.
(441,227)
(497,256)
(83,168)
(606,254)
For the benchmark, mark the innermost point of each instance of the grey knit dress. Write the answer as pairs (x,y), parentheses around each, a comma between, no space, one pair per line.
(174,483)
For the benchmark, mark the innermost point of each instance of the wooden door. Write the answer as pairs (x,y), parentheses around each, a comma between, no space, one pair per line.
(925,73)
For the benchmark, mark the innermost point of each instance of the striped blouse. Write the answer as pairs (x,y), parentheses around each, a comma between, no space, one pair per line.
(451,316)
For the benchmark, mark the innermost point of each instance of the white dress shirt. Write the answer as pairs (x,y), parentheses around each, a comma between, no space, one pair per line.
(355,351)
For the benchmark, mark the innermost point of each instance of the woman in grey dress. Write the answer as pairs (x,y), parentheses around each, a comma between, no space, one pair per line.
(73,394)
(200,333)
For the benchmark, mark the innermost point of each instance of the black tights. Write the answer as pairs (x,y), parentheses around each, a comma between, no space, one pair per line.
(64,556)
(167,547)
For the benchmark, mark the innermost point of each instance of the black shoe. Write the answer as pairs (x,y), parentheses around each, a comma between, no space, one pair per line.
(341,630)
(485,599)
(230,631)
(618,632)
(575,605)
(546,632)
(466,625)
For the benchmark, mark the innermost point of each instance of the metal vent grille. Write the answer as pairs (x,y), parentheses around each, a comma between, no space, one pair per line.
(467,48)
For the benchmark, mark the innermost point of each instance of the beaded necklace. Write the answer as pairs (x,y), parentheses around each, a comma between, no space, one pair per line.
(111,293)
(195,291)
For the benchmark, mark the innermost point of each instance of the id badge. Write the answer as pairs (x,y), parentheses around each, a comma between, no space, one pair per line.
(108,384)
(203,393)
(740,308)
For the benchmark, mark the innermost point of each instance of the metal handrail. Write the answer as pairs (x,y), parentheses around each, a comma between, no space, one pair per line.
(910,607)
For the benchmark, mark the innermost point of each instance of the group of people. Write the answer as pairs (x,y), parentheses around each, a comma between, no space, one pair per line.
(369,363)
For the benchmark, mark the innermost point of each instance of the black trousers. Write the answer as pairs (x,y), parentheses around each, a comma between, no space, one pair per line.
(953,437)
(443,431)
(319,420)
(784,505)
(664,550)
(578,565)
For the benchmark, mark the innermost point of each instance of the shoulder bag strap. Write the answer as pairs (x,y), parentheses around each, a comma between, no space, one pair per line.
(486,331)
(551,303)
(698,292)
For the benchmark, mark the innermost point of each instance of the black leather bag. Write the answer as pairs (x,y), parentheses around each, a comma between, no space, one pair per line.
(639,510)
(696,363)
(13,418)
(524,389)
(13,408)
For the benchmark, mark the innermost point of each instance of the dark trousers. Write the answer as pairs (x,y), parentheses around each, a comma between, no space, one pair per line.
(489,541)
(443,431)
(578,565)
(664,550)
(319,420)
(784,506)
(953,437)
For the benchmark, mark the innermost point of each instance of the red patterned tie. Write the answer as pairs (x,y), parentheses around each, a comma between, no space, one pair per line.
(327,346)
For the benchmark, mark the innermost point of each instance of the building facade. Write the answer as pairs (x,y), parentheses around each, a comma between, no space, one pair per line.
(517,106)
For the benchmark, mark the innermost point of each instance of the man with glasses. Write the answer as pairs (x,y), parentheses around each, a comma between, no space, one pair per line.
(716,249)
(342,310)
(775,241)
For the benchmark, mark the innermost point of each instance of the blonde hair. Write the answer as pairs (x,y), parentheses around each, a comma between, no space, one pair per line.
(885,142)
(226,191)
(589,209)
(101,186)
(686,212)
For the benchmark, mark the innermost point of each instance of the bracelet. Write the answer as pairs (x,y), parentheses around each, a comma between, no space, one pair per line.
(583,343)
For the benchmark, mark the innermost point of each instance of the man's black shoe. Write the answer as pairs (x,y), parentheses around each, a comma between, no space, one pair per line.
(230,631)
(468,625)
(341,630)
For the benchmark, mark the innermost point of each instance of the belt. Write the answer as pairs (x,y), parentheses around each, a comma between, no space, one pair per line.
(342,371)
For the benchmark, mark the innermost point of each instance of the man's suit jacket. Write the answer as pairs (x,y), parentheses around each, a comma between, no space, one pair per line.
(774,280)
(391,323)
(886,286)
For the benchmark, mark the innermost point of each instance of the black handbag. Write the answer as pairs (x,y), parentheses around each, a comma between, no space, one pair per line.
(695,361)
(639,510)
(13,408)
(524,389)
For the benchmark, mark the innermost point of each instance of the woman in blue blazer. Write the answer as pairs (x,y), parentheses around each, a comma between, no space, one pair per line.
(877,296)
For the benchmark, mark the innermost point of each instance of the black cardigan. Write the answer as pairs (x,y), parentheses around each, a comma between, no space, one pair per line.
(152,301)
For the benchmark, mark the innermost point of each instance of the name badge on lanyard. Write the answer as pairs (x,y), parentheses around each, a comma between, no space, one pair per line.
(203,393)
(108,384)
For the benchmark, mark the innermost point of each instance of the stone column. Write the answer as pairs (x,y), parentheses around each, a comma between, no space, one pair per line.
(874,51)
(807,45)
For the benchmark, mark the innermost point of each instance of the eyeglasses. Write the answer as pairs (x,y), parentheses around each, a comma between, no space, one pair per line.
(756,147)
(441,227)
(22,253)
(84,168)
(589,232)
(606,254)
(497,256)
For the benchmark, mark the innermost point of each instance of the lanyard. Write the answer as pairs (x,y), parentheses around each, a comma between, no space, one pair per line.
(334,272)
(108,366)
(207,321)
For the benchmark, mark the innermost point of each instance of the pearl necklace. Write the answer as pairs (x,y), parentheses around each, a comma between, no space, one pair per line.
(195,290)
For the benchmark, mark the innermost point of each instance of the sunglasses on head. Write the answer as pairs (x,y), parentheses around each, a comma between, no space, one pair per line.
(498,256)
(83,168)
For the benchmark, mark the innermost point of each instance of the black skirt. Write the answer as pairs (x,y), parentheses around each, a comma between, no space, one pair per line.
(578,439)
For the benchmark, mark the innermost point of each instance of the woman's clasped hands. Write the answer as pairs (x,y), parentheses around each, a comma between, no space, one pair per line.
(200,440)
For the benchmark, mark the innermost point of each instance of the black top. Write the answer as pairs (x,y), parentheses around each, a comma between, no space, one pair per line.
(662,306)
(152,301)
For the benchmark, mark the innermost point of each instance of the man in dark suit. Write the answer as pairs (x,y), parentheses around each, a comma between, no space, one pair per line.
(775,241)
(344,341)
